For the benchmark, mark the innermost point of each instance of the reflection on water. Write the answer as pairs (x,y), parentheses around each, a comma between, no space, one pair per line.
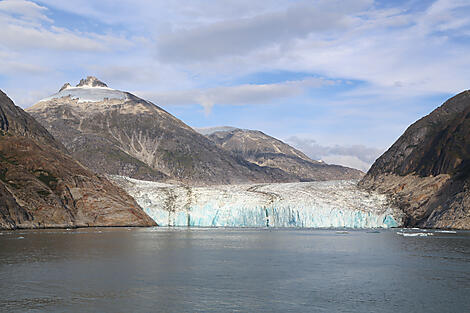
(246,270)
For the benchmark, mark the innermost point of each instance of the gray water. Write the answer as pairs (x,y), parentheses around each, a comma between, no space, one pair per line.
(233,270)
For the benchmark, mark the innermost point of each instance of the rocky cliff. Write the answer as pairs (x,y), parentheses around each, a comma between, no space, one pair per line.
(427,170)
(42,186)
(115,132)
(264,150)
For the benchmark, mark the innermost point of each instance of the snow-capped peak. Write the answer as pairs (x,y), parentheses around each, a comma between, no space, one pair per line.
(90,89)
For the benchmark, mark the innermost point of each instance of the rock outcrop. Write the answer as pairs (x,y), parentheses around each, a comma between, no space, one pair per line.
(427,170)
(115,132)
(263,150)
(42,186)
(91,81)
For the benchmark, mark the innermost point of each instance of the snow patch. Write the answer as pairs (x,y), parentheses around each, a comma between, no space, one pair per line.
(206,131)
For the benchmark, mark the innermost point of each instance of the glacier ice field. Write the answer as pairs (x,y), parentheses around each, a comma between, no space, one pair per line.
(330,204)
(88,94)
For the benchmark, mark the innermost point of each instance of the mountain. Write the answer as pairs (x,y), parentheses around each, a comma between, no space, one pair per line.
(264,150)
(115,132)
(42,186)
(14,121)
(427,170)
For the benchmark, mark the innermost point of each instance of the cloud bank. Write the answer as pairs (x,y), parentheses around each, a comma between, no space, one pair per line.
(245,94)
(356,156)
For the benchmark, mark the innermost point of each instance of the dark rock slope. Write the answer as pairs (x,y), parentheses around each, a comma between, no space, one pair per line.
(427,170)
(115,132)
(42,186)
(264,150)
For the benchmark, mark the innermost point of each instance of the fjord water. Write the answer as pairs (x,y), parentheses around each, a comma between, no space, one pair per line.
(233,270)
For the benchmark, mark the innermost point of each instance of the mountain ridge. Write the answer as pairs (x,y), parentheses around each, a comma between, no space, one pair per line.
(427,170)
(41,186)
(264,150)
(115,132)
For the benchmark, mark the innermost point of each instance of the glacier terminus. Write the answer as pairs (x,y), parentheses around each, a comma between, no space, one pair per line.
(327,204)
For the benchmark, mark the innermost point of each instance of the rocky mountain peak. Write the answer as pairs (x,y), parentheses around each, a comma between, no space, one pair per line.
(65,86)
(91,81)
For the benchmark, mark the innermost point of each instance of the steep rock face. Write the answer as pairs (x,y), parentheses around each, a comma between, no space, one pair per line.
(41,186)
(14,121)
(264,150)
(11,213)
(115,132)
(427,170)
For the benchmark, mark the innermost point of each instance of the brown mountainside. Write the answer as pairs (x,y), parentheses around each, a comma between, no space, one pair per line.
(264,150)
(42,186)
(427,170)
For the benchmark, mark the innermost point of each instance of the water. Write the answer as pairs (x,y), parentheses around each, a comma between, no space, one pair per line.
(233,270)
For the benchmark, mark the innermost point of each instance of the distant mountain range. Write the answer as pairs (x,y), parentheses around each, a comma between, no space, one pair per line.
(115,132)
(42,186)
(427,170)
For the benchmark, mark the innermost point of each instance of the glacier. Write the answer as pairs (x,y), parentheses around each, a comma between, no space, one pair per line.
(88,94)
(330,204)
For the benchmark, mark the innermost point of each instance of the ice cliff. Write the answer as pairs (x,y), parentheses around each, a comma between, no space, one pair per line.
(312,204)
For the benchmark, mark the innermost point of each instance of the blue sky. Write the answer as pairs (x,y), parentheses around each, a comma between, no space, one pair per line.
(341,80)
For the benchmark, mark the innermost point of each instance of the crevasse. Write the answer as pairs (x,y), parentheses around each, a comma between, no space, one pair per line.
(337,204)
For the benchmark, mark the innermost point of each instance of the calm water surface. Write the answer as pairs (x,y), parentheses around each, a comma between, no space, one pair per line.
(233,270)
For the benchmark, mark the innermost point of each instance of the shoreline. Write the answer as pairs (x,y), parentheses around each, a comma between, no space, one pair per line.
(233,227)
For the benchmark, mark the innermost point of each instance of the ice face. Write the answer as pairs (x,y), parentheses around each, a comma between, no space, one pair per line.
(89,94)
(334,204)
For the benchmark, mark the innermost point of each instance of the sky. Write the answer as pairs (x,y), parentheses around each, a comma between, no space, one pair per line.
(339,79)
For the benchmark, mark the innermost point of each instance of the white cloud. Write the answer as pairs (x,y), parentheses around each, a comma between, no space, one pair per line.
(356,156)
(236,95)
(24,26)
(396,51)
(347,160)
(240,36)
(11,67)
(11,64)
(20,37)
(26,9)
